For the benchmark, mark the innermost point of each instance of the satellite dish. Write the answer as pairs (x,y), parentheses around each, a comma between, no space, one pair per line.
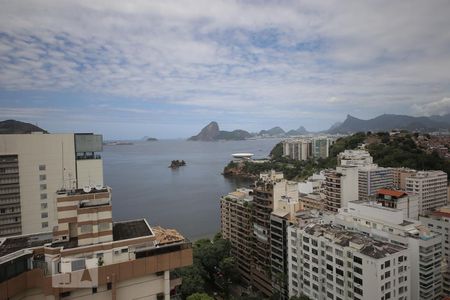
(98,187)
(87,189)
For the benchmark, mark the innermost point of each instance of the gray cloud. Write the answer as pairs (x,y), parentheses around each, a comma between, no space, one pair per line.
(230,55)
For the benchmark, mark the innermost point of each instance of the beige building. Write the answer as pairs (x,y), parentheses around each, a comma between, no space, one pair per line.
(236,226)
(95,258)
(400,175)
(312,201)
(341,186)
(33,167)
(431,188)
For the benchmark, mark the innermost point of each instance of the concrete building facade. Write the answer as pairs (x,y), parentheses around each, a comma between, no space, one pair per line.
(33,167)
(431,188)
(341,186)
(371,178)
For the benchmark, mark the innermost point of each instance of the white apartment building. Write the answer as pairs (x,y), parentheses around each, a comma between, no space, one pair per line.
(330,263)
(439,221)
(306,148)
(389,225)
(33,167)
(341,186)
(354,158)
(371,178)
(431,187)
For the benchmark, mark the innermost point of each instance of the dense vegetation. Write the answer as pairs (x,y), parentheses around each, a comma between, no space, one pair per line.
(398,150)
(213,269)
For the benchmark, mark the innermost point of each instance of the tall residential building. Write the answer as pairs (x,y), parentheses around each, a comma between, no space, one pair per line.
(371,178)
(33,167)
(341,186)
(409,204)
(400,175)
(388,224)
(236,226)
(267,194)
(439,221)
(280,219)
(431,187)
(327,262)
(306,148)
(354,158)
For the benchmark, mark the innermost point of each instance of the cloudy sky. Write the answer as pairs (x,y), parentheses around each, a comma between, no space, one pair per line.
(166,68)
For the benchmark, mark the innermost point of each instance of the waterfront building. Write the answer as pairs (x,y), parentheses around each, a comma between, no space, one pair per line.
(33,167)
(90,257)
(327,262)
(306,148)
(236,226)
(270,194)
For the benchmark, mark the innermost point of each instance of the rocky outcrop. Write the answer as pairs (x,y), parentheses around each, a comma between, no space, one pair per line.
(211,132)
(17,127)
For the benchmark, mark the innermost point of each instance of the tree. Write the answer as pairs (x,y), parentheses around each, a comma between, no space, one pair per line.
(199,296)
(193,281)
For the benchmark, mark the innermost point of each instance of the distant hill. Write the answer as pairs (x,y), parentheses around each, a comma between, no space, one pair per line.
(273,131)
(300,131)
(387,122)
(211,132)
(17,127)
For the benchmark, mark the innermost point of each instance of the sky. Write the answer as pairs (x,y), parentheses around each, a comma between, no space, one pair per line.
(165,69)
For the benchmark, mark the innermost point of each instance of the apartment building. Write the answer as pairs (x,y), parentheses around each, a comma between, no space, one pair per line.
(389,225)
(439,221)
(354,158)
(327,262)
(408,204)
(268,192)
(312,201)
(431,188)
(341,186)
(306,148)
(33,167)
(280,219)
(90,257)
(400,175)
(236,226)
(371,178)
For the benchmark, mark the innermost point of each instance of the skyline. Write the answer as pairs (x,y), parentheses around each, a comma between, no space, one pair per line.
(166,69)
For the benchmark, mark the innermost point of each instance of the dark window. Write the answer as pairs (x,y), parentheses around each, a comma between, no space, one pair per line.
(357,260)
(94,290)
(109,285)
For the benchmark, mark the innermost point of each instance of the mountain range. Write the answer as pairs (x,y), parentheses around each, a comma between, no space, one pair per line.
(387,122)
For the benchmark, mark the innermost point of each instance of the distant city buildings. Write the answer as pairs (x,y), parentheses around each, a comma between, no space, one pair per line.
(306,148)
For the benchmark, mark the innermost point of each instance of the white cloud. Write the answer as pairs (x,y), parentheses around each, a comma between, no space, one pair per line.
(438,107)
(210,54)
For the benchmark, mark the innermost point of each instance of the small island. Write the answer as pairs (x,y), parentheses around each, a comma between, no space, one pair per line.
(177,163)
(150,139)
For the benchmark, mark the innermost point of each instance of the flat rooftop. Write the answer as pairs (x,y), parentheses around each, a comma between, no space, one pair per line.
(15,243)
(131,229)
(367,245)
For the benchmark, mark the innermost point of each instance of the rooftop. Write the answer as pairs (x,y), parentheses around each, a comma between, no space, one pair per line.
(167,236)
(131,229)
(345,238)
(15,243)
(392,193)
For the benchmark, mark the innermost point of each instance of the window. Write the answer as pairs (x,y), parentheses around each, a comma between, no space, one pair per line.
(42,177)
(43,205)
(387,264)
(109,285)
(94,290)
(41,167)
(124,250)
(44,215)
(78,265)
(43,187)
(43,196)
(357,260)
(103,226)
(44,224)
(357,270)
(86,228)
(358,280)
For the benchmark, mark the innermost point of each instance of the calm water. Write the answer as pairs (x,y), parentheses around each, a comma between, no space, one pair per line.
(186,199)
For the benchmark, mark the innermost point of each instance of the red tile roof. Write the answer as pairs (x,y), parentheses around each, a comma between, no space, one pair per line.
(392,193)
